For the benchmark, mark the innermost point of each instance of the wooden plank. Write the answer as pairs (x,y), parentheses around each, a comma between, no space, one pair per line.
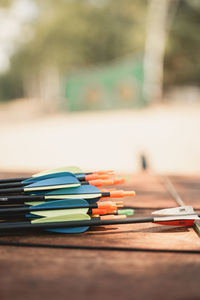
(59,274)
(87,274)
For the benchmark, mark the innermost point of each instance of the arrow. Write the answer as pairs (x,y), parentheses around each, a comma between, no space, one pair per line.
(74,170)
(81,178)
(57,182)
(60,206)
(45,184)
(171,189)
(71,170)
(89,192)
(83,221)
(96,182)
(54,220)
(94,212)
(71,217)
(103,215)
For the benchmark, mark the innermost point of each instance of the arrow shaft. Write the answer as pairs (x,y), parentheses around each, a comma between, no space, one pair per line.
(11,191)
(11,185)
(20,199)
(18,210)
(13,182)
(93,222)
(9,180)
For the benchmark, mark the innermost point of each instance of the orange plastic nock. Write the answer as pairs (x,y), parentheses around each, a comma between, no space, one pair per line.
(96,176)
(107,190)
(129,194)
(100,182)
(109,172)
(110,204)
(121,194)
(104,211)
(119,180)
(112,217)
(119,203)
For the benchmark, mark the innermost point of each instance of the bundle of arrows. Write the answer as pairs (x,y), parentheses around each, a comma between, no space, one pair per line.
(67,200)
(61,195)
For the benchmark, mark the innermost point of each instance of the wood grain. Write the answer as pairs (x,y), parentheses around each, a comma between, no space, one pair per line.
(45,273)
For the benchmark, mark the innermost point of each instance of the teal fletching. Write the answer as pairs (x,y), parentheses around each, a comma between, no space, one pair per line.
(53,183)
(80,190)
(70,230)
(47,176)
(64,203)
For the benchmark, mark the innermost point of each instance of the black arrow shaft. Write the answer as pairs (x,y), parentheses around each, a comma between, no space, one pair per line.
(11,185)
(8,180)
(11,191)
(12,182)
(28,225)
(26,209)
(20,199)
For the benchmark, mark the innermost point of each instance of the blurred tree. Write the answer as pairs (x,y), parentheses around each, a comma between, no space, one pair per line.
(69,34)
(182,61)
(5,3)
(11,86)
(79,32)
(155,44)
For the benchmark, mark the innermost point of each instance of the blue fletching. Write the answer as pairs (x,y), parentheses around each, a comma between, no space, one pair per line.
(80,190)
(55,181)
(43,177)
(70,230)
(31,216)
(93,200)
(65,203)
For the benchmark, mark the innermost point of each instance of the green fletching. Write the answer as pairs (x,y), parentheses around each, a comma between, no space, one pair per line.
(34,203)
(128,212)
(72,169)
(66,217)
(60,212)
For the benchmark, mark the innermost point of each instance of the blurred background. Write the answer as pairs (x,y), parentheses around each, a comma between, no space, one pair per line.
(98,83)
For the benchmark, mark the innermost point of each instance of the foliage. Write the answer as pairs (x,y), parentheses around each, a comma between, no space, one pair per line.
(182,64)
(70,34)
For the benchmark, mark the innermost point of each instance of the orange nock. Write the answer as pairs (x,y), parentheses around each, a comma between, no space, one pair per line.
(104,211)
(109,172)
(119,180)
(96,176)
(112,217)
(107,190)
(121,194)
(100,182)
(108,204)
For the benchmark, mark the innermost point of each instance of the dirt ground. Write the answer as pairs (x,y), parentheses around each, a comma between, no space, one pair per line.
(167,134)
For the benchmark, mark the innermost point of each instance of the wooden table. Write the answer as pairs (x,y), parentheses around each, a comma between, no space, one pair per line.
(48,273)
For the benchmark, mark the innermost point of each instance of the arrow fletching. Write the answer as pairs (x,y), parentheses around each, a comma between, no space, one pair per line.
(60,212)
(71,169)
(65,218)
(175,211)
(47,176)
(84,191)
(65,203)
(53,183)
